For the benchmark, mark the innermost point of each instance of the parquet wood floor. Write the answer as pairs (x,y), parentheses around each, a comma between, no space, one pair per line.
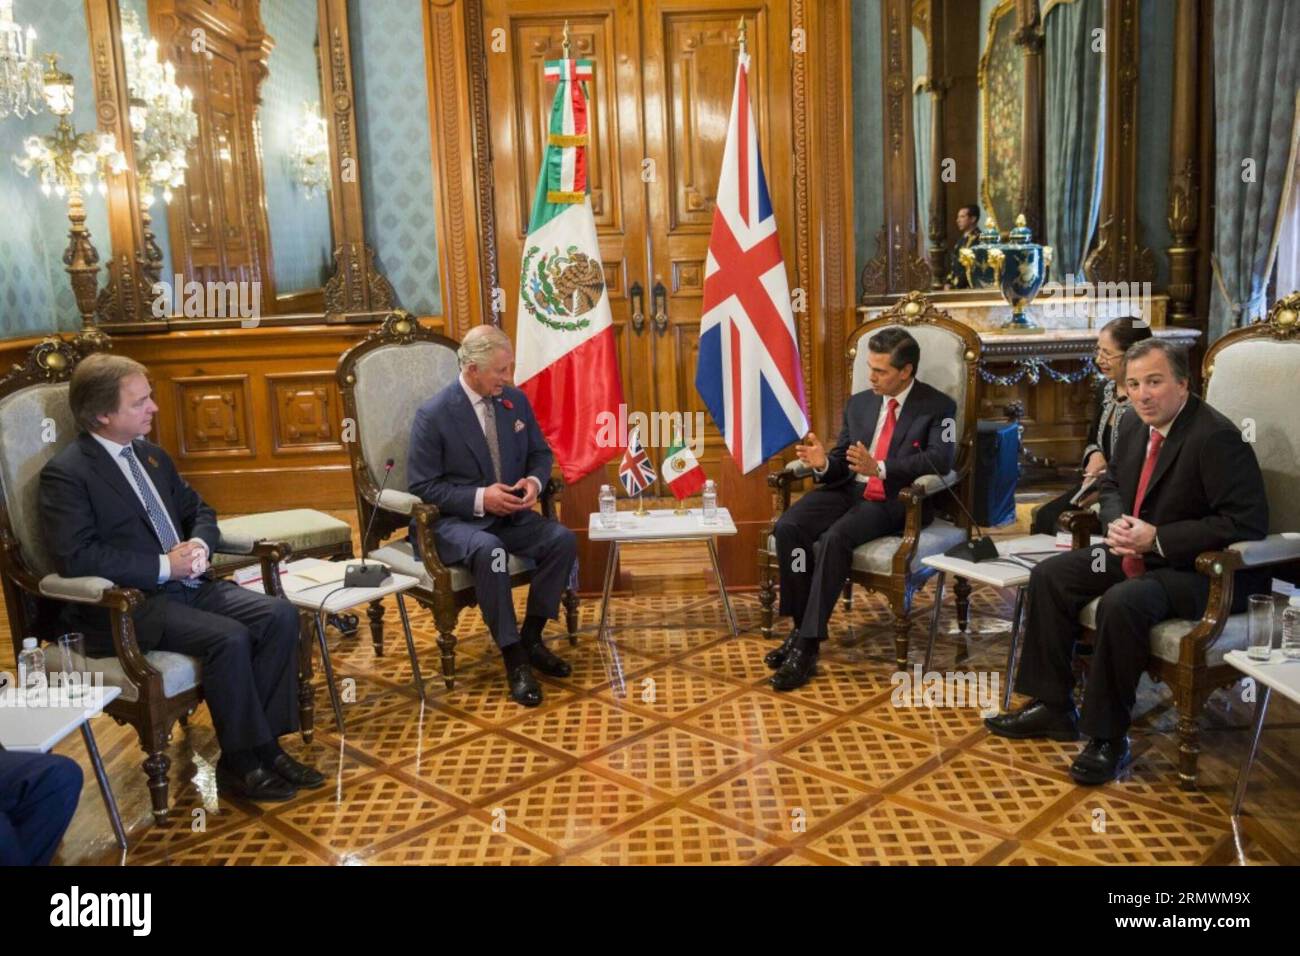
(698,762)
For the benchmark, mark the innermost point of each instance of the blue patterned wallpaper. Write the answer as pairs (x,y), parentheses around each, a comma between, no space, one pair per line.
(301,240)
(35,296)
(396,165)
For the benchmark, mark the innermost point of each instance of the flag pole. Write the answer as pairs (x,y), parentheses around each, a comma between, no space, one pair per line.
(677,440)
(641,511)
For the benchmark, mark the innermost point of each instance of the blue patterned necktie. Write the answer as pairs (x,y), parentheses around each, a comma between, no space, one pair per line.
(153,507)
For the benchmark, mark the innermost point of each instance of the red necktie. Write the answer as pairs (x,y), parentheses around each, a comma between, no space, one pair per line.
(1134,564)
(875,487)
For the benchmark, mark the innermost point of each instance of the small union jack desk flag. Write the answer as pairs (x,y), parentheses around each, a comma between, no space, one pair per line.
(636,472)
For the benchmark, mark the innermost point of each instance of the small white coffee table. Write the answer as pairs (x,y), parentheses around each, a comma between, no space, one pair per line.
(330,597)
(1276,673)
(1016,556)
(36,729)
(657,525)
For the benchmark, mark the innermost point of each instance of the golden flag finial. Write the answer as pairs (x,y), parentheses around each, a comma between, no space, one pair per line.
(743,32)
(566,39)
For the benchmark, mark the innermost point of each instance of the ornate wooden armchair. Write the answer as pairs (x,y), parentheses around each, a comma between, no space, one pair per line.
(950,353)
(1188,655)
(158,688)
(384,379)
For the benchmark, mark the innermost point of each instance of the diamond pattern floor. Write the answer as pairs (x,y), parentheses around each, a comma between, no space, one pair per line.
(698,762)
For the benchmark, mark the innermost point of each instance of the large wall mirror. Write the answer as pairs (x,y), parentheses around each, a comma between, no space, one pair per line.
(1011,120)
(244,142)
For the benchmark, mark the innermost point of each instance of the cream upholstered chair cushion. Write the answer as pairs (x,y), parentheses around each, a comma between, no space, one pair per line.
(35,423)
(392,382)
(301,528)
(401,558)
(1167,636)
(1239,370)
(179,673)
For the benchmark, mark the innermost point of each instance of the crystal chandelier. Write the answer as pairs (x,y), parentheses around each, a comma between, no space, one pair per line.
(20,73)
(162,118)
(67,161)
(311,152)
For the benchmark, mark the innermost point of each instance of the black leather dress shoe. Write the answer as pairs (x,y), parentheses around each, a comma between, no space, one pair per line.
(1101,761)
(1034,721)
(797,669)
(523,686)
(298,774)
(540,656)
(260,784)
(776,658)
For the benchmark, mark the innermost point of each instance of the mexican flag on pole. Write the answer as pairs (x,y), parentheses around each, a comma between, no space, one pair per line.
(681,471)
(565,356)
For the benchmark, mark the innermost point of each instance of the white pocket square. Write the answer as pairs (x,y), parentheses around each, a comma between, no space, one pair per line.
(519,426)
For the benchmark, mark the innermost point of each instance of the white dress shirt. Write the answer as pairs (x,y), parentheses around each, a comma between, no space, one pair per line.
(901,397)
(477,402)
(115,452)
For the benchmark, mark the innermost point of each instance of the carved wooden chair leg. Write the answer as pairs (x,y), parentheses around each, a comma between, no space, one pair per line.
(962,593)
(446,625)
(571,614)
(766,597)
(902,609)
(1189,747)
(848,595)
(156,766)
(375,611)
(306,677)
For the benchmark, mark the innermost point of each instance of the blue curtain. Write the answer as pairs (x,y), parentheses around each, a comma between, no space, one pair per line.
(1073,126)
(1256,78)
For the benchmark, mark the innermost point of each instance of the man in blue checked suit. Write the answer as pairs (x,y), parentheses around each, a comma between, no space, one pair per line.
(478,455)
(114,506)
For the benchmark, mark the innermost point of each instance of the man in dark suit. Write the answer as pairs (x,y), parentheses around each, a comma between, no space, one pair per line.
(114,506)
(1181,481)
(968,219)
(478,455)
(893,434)
(38,796)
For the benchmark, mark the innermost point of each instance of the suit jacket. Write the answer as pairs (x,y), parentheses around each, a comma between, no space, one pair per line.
(95,524)
(1205,493)
(448,460)
(923,418)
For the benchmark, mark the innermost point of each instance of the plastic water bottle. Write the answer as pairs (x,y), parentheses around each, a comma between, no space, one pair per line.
(1291,628)
(608,507)
(710,504)
(31,667)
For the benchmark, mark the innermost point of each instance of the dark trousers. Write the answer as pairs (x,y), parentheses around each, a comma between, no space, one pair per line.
(38,795)
(815,539)
(247,644)
(549,544)
(1059,588)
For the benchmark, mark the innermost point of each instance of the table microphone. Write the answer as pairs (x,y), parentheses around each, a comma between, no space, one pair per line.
(977,549)
(369,575)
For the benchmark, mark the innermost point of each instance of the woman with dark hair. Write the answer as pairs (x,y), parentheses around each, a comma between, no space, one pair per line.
(1113,341)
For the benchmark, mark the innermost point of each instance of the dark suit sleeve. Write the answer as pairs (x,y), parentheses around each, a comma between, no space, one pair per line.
(426,473)
(74,539)
(1111,500)
(911,465)
(837,464)
(198,519)
(1234,488)
(540,458)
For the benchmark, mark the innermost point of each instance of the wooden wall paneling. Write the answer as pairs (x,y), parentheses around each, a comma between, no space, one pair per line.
(125,295)
(1184,169)
(823,116)
(958,73)
(356,285)
(1119,255)
(896,266)
(456,196)
(212,416)
(306,412)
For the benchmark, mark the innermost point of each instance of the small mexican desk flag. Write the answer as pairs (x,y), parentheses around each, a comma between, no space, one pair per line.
(566,357)
(682,472)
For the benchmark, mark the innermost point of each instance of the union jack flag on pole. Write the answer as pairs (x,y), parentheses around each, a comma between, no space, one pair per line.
(749,374)
(636,471)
